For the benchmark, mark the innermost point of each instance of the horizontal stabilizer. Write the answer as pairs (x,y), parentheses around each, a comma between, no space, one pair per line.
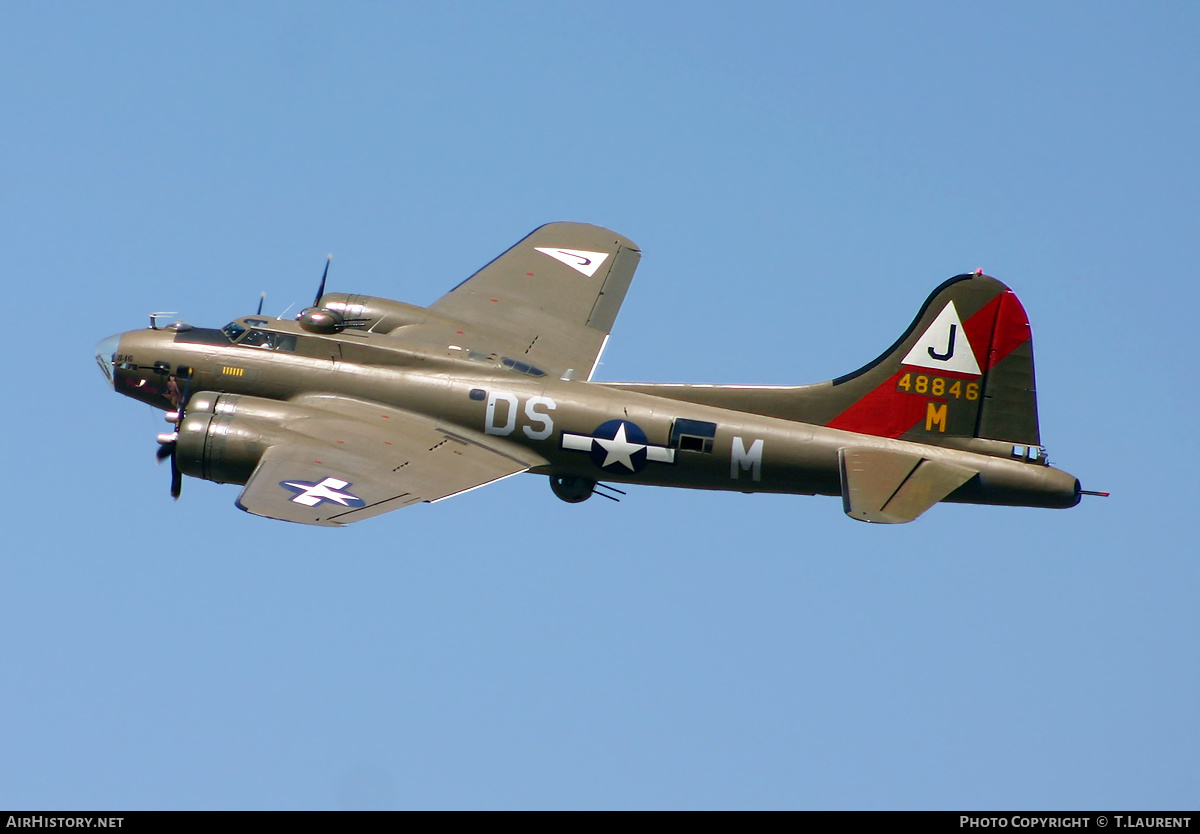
(889,487)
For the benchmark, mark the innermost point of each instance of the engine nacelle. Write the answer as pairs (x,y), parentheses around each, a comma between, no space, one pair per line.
(224,436)
(379,315)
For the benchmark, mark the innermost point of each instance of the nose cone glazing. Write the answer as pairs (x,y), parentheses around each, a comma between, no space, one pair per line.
(106,350)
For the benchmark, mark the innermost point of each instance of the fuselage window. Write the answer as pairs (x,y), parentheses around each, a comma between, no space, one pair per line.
(693,435)
(522,367)
(1033,454)
(233,330)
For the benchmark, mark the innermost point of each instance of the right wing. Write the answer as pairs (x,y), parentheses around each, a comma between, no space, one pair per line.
(549,301)
(352,460)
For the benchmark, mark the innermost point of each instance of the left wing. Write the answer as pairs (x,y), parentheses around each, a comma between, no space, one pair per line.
(356,459)
(550,301)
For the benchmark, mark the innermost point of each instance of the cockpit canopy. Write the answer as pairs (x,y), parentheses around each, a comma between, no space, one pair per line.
(249,333)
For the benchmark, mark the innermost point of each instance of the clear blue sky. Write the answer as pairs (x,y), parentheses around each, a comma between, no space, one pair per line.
(799,177)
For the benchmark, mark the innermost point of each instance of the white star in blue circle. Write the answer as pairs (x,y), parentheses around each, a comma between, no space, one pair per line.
(618,446)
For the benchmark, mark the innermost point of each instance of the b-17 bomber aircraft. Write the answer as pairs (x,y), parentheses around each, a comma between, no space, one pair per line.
(365,405)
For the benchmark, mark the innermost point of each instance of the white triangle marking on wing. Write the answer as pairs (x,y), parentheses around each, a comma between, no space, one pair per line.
(579,260)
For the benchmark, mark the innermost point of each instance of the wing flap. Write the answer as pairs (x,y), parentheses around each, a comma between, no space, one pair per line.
(890,487)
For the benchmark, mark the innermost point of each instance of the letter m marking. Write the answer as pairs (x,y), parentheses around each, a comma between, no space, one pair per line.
(741,459)
(935,416)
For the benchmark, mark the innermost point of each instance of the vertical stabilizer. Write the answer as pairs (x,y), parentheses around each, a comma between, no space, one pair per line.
(964,368)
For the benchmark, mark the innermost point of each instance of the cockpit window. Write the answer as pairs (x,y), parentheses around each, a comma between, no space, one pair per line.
(267,340)
(233,330)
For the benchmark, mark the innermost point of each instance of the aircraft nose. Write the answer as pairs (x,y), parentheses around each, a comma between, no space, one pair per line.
(106,350)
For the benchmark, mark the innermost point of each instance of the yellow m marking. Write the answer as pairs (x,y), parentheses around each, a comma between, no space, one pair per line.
(935,416)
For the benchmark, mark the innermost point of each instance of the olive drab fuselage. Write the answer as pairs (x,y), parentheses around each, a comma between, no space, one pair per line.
(432,406)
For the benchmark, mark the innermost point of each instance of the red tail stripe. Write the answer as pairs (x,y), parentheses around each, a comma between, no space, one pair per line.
(979,329)
(1012,328)
(884,411)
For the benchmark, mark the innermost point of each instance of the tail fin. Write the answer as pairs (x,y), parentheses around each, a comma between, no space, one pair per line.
(964,368)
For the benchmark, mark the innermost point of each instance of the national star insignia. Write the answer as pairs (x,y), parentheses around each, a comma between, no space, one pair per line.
(330,489)
(619,447)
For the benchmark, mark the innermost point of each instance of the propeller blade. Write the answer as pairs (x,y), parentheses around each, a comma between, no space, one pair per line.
(187,393)
(324,275)
(168,443)
(261,299)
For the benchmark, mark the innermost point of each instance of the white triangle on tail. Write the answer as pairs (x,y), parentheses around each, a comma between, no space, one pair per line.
(578,259)
(944,345)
